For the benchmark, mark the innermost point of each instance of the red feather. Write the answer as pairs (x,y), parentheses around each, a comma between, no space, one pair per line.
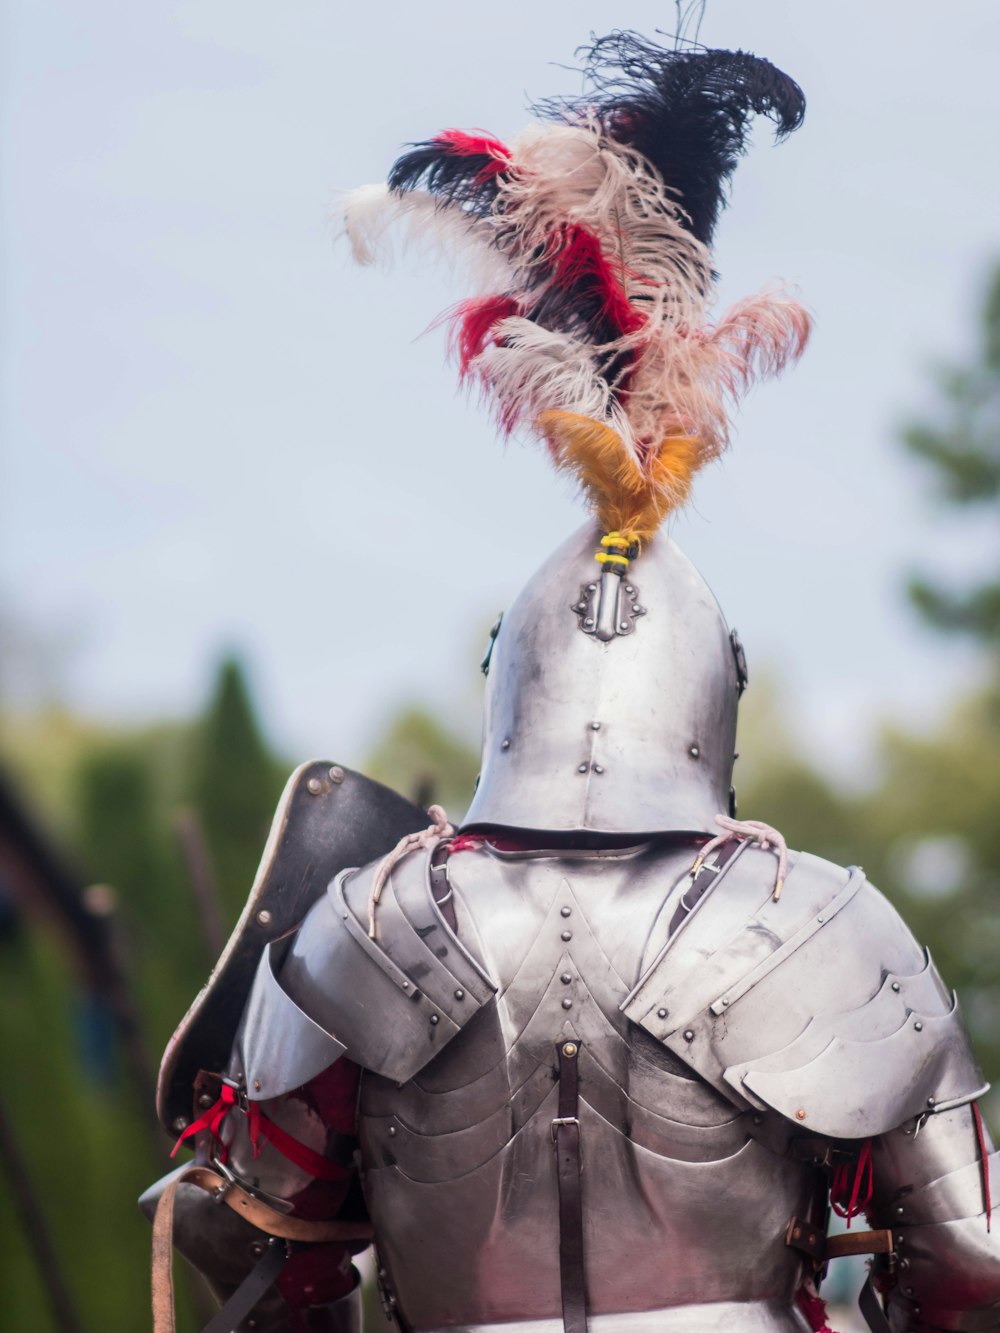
(581,261)
(462,144)
(472,324)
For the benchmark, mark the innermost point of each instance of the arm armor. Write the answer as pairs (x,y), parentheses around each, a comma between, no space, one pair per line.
(932,1183)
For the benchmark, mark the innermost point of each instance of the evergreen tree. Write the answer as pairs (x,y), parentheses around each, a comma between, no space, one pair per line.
(963,450)
(237,783)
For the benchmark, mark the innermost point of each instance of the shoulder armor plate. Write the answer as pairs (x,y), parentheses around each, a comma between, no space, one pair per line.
(328,817)
(396,1000)
(820,1006)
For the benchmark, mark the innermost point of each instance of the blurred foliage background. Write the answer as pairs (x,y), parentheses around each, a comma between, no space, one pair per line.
(125,856)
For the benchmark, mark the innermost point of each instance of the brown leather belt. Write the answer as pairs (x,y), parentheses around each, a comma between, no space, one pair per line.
(569,1167)
(260,1214)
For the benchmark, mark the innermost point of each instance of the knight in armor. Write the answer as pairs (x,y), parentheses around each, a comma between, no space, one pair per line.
(605,1056)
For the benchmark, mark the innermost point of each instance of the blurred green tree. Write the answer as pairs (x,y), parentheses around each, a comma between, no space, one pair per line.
(236,786)
(962,449)
(423,758)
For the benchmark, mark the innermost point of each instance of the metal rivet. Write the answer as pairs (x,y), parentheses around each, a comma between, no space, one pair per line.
(918,1027)
(180,1123)
(595,726)
(257,1248)
(588,622)
(392,1131)
(598,768)
(315,786)
(581,606)
(582,768)
(895,986)
(206,1099)
(566,978)
(899,1212)
(565,911)
(623,624)
(591,587)
(820,920)
(931,1101)
(910,1291)
(337,774)
(689,1035)
(567,1003)
(800,1114)
(628,587)
(693,751)
(460,994)
(639,610)
(505,745)
(264,917)
(570,1049)
(406,985)
(904,1265)
(434,1020)
(725,1003)
(256,1085)
(661,1013)
(566,936)
(812,1238)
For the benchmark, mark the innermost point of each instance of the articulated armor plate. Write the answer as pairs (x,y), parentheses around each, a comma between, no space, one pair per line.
(707,1052)
(328,817)
(633,733)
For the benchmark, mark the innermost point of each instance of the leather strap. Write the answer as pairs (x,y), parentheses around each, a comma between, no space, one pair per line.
(707,877)
(813,1241)
(252,1289)
(871,1308)
(569,1167)
(261,1215)
(265,1217)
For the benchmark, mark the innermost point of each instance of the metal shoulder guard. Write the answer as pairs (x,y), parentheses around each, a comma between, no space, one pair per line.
(820,1006)
(390,1003)
(328,817)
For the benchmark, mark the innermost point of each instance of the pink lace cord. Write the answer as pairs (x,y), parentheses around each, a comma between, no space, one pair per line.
(748,830)
(428,837)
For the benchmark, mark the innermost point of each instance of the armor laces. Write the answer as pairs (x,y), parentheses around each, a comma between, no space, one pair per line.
(748,830)
(438,829)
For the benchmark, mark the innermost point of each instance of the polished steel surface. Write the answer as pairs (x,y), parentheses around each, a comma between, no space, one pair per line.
(930,1187)
(398,998)
(278,1046)
(713,1317)
(458,1164)
(820,1006)
(633,734)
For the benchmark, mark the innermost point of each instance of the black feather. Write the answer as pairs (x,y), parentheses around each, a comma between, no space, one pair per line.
(687,112)
(459,179)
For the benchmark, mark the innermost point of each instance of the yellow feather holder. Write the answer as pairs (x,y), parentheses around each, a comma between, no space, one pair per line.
(630,499)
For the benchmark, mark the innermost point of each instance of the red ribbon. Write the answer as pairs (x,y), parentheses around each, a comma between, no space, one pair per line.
(212,1121)
(838,1186)
(264,1130)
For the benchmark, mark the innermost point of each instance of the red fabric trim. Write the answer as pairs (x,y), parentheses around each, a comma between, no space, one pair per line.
(984,1162)
(814,1309)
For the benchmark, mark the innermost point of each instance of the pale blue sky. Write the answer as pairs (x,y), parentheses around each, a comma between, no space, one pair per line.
(216,432)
